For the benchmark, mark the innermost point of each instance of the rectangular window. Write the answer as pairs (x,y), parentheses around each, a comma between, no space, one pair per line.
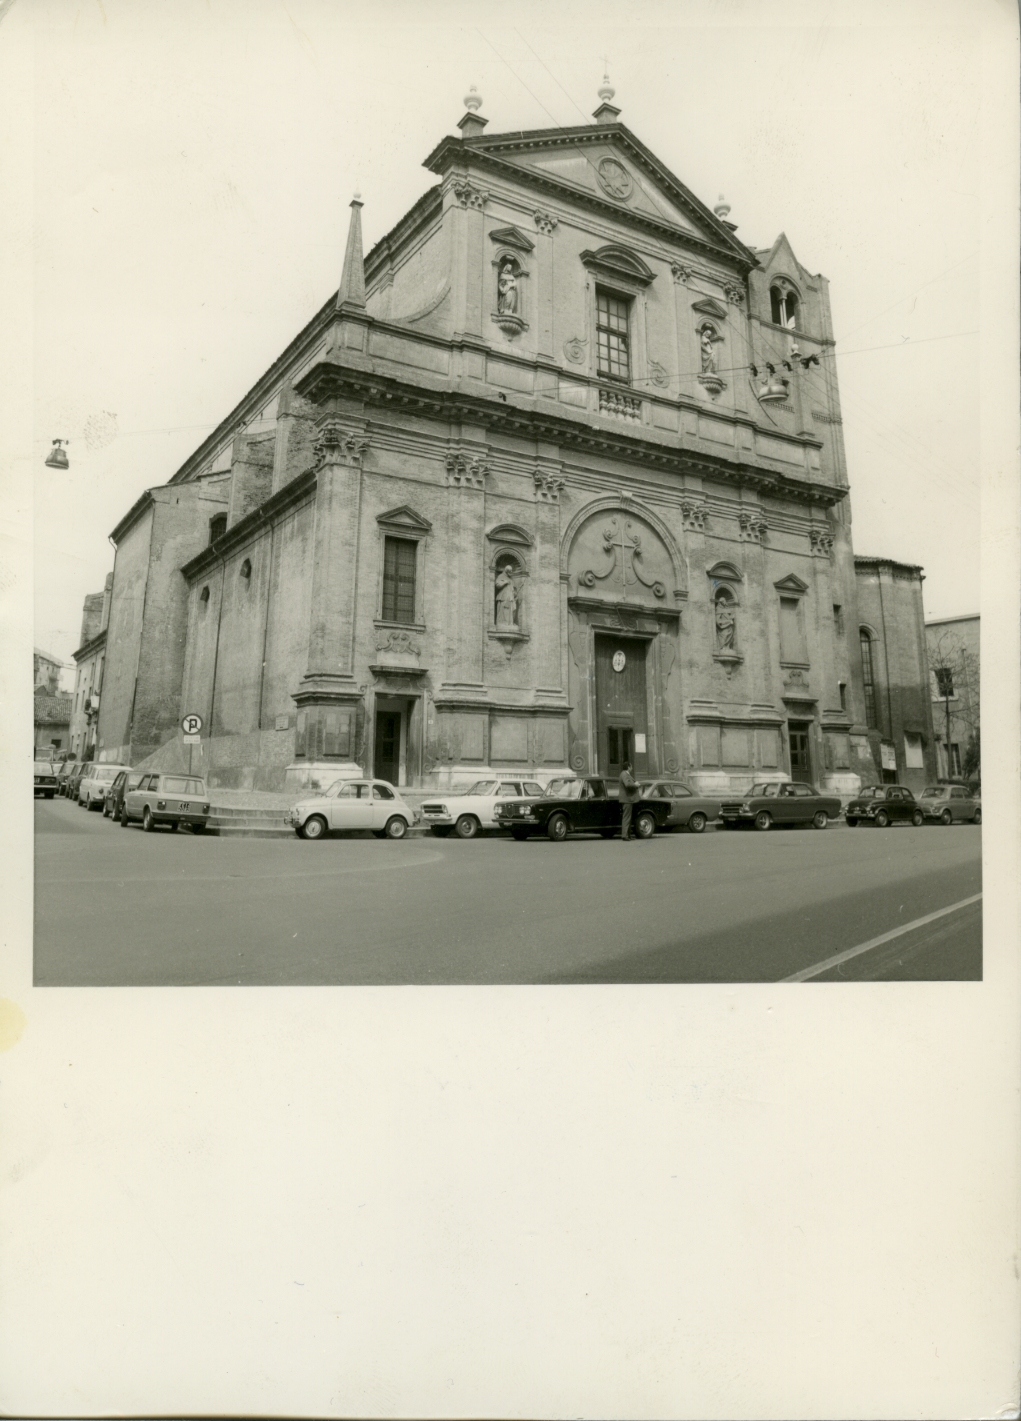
(955,758)
(842,688)
(869,681)
(792,632)
(399,579)
(612,337)
(944,680)
(838,618)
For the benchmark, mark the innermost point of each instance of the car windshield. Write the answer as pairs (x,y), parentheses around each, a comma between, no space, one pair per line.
(105,777)
(934,792)
(763,791)
(174,785)
(872,792)
(563,789)
(483,787)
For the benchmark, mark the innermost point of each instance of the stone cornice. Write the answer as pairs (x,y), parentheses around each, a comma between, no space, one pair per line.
(89,648)
(330,379)
(133,514)
(486,154)
(294,492)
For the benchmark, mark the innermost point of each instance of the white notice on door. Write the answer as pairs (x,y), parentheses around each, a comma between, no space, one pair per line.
(639,743)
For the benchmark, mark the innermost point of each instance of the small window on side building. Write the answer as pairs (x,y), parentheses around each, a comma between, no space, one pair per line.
(613,339)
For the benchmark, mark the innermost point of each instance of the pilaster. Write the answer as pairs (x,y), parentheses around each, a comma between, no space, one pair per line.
(547,477)
(467,469)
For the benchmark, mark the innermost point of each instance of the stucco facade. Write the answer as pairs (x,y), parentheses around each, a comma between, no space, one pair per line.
(556,478)
(954,669)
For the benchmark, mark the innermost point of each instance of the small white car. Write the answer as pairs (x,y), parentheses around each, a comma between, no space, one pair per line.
(469,813)
(354,804)
(94,785)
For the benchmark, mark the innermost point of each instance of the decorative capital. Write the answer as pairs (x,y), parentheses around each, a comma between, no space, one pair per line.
(547,486)
(338,445)
(735,295)
(752,526)
(464,471)
(545,221)
(681,273)
(468,195)
(693,514)
(822,542)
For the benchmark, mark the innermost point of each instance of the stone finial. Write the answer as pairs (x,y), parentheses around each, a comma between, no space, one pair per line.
(606,113)
(722,208)
(472,123)
(352,278)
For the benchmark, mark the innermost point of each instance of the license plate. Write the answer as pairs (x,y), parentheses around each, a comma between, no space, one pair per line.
(184,806)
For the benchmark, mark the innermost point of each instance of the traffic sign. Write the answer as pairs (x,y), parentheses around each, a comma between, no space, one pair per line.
(193,740)
(191,724)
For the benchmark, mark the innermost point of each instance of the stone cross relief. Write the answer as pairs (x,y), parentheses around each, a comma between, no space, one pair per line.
(624,547)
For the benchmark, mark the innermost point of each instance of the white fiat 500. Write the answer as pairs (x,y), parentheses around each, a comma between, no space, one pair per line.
(354,804)
(469,813)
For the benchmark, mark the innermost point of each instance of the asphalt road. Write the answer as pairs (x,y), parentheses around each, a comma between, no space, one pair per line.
(117,907)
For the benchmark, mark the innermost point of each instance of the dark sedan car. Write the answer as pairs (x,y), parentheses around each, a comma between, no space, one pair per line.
(883,805)
(66,774)
(772,803)
(75,778)
(113,800)
(573,804)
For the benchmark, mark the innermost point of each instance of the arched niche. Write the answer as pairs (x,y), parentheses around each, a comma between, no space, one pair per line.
(617,550)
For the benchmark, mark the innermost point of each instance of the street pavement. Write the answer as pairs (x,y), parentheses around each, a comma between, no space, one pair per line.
(118,907)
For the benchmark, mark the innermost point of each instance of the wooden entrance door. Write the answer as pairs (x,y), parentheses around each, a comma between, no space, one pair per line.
(621,717)
(387,757)
(801,756)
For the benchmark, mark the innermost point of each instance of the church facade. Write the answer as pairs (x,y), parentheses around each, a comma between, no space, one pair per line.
(555,481)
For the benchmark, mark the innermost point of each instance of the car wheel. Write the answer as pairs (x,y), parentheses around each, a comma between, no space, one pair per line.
(442,831)
(198,828)
(978,817)
(607,833)
(467,827)
(396,827)
(173,825)
(148,822)
(697,823)
(851,823)
(520,835)
(557,828)
(645,825)
(314,827)
(50,796)
(763,820)
(124,818)
(883,819)
(820,819)
(918,819)
(946,817)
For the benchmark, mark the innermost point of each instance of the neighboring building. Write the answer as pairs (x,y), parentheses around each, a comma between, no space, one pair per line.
(46,670)
(90,659)
(556,478)
(895,676)
(954,663)
(52,719)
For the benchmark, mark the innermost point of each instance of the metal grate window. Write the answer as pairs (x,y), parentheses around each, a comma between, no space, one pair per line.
(612,337)
(399,580)
(869,680)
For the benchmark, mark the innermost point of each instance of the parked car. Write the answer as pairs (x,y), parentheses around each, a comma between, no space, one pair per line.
(572,804)
(469,813)
(75,778)
(688,810)
(780,803)
(167,799)
(883,805)
(44,778)
(65,774)
(950,804)
(94,783)
(113,799)
(354,804)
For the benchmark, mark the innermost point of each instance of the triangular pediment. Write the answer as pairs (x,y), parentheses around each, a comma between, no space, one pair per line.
(708,307)
(405,517)
(604,163)
(791,583)
(511,237)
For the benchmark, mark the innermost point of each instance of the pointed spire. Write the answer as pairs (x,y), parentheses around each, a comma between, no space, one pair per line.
(352,278)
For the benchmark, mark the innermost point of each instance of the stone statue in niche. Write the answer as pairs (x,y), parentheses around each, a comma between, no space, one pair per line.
(726,625)
(507,295)
(707,338)
(506,596)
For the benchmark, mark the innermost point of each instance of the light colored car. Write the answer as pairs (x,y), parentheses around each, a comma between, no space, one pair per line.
(167,799)
(354,804)
(688,810)
(469,813)
(95,782)
(950,804)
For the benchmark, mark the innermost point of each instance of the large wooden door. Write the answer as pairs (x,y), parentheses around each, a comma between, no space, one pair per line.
(801,757)
(621,716)
(387,758)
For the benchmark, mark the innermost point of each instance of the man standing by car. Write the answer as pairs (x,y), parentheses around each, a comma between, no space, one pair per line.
(629,794)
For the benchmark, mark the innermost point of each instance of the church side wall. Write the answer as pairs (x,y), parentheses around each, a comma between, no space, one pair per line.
(124,636)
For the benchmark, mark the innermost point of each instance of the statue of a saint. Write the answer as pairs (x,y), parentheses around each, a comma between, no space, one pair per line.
(708,355)
(726,626)
(507,296)
(506,597)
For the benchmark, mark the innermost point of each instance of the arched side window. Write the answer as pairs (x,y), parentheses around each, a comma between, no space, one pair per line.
(217,526)
(868,678)
(246,570)
(204,599)
(783,303)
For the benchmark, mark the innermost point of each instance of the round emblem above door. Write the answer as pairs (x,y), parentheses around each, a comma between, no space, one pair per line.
(619,661)
(614,179)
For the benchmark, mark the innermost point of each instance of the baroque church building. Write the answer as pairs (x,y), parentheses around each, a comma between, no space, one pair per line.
(555,480)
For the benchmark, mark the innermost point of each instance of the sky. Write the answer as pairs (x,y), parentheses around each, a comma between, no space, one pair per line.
(193,166)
